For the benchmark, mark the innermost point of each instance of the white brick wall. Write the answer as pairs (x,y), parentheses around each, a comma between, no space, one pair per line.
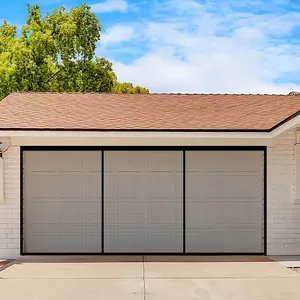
(283,217)
(10,210)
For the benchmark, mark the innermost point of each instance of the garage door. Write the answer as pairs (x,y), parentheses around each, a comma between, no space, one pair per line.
(62,201)
(224,201)
(149,204)
(143,209)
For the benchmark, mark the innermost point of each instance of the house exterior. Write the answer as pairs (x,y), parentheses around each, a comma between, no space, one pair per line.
(157,173)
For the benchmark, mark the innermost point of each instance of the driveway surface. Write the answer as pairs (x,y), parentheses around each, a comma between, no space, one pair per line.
(148,278)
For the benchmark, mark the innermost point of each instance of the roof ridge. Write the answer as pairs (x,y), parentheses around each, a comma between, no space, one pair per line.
(181,94)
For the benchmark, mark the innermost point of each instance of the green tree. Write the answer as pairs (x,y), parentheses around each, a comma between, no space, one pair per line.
(128,88)
(56,52)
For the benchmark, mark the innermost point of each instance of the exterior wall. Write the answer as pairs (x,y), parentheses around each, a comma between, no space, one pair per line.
(10,209)
(283,216)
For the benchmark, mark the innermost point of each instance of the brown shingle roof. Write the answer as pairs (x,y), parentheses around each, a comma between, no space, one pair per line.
(92,111)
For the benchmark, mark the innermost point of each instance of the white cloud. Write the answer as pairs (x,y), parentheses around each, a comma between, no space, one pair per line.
(117,34)
(249,34)
(202,51)
(110,6)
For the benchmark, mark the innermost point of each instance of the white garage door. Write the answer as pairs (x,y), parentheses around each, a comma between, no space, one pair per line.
(143,206)
(62,201)
(224,201)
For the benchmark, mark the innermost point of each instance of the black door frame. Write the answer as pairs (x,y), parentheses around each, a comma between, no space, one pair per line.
(102,150)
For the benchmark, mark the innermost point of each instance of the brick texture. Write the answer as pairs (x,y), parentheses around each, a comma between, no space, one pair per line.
(283,218)
(10,210)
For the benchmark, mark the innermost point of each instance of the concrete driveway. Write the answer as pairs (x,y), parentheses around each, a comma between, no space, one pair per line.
(149,277)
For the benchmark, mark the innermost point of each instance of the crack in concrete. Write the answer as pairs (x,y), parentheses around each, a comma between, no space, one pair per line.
(144,279)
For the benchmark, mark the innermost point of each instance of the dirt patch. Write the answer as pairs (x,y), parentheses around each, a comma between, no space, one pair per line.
(3,263)
(296,270)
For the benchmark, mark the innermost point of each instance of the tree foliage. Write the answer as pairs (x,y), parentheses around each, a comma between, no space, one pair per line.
(294,93)
(128,88)
(56,52)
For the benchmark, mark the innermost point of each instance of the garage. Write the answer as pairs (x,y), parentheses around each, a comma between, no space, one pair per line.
(114,200)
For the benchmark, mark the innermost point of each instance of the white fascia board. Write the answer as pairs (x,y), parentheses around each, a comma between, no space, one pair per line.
(293,123)
(136,134)
(1,180)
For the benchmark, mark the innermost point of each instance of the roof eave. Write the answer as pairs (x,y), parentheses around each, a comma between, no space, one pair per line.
(184,134)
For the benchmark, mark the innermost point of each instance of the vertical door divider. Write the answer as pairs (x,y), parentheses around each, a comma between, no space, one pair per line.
(265,201)
(102,201)
(184,204)
(22,222)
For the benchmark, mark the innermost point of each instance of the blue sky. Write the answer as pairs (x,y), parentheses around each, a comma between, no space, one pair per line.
(194,46)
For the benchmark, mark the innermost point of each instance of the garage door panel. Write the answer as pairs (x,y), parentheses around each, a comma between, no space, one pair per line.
(164,227)
(164,186)
(59,227)
(53,242)
(55,227)
(157,212)
(38,228)
(138,242)
(112,238)
(123,241)
(223,212)
(42,211)
(43,242)
(69,212)
(212,241)
(70,240)
(211,161)
(156,185)
(233,186)
(60,161)
(91,187)
(37,186)
(91,212)
(165,162)
(39,161)
(114,206)
(94,228)
(130,161)
(141,201)
(71,163)
(91,163)
(125,220)
(127,183)
(91,241)
(224,201)
(128,221)
(169,241)
(66,199)
(68,228)
(142,227)
(69,186)
(131,242)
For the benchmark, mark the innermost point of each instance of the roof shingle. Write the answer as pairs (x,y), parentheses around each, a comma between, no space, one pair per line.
(177,112)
